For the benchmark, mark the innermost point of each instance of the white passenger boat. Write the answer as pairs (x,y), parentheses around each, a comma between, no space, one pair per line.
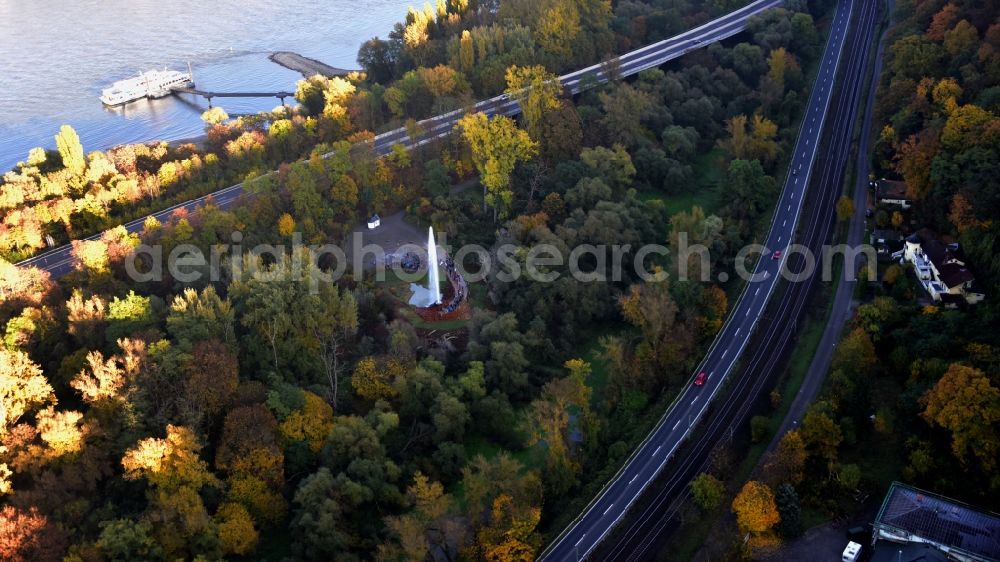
(150,84)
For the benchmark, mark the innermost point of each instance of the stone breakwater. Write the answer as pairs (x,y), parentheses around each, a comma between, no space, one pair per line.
(305,65)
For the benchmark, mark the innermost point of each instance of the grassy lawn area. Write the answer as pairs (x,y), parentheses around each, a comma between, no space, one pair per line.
(592,352)
(798,365)
(478,296)
(532,458)
(400,289)
(710,175)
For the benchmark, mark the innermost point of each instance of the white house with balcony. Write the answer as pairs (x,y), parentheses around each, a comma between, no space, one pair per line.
(941,270)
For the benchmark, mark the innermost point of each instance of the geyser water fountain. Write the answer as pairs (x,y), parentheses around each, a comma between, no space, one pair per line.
(426,297)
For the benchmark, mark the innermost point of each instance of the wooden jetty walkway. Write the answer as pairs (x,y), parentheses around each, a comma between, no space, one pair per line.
(209,95)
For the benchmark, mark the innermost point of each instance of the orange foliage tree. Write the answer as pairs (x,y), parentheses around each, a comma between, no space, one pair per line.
(965,403)
(755,509)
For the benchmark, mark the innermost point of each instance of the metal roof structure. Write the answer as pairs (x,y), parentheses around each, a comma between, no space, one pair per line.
(886,552)
(964,533)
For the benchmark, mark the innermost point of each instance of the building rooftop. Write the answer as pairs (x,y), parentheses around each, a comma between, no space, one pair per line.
(892,189)
(954,300)
(893,552)
(912,515)
(947,258)
(953,274)
(886,234)
(940,253)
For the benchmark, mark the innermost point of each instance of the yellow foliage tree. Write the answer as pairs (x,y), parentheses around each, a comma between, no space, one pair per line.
(372,381)
(845,208)
(71,151)
(965,403)
(578,368)
(23,388)
(758,142)
(108,378)
(286,225)
(537,90)
(511,534)
(311,424)
(558,28)
(968,125)
(60,430)
(497,146)
(237,534)
(265,505)
(467,54)
(787,464)
(755,508)
(215,115)
(176,473)
(169,463)
(91,255)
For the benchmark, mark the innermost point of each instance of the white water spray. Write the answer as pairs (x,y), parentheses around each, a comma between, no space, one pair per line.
(433,283)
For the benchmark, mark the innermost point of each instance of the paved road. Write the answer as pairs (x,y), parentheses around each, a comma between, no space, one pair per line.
(843,301)
(59,261)
(607,510)
(777,334)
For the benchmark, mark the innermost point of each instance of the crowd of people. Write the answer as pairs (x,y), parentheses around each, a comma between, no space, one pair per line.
(460,289)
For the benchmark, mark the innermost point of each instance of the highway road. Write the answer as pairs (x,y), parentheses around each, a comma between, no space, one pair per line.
(843,302)
(647,529)
(771,337)
(59,261)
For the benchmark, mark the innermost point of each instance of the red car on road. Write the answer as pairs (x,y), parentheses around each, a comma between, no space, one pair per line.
(776,255)
(700,379)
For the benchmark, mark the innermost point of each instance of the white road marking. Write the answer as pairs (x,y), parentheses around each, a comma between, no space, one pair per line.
(608,509)
(675,425)
(757,292)
(695,400)
(581,537)
(657,450)
(784,222)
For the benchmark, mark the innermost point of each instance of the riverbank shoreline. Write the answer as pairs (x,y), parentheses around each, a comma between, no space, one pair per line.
(306,66)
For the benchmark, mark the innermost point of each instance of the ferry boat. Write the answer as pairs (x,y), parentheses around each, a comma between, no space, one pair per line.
(150,84)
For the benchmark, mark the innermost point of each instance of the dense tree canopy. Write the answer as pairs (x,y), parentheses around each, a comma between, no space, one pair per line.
(257,413)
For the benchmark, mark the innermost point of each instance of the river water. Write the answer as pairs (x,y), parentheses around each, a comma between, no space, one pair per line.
(57,55)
